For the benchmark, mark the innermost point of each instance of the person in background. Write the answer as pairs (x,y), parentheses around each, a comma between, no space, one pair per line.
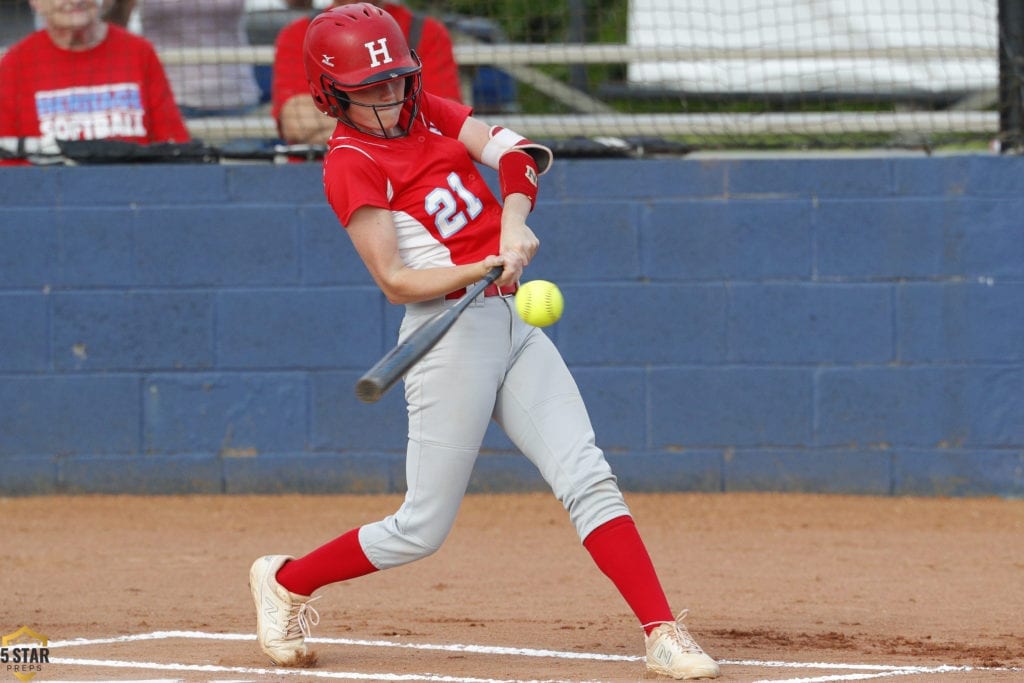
(81,78)
(221,89)
(298,119)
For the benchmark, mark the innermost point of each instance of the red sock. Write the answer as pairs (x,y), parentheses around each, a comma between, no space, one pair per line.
(338,560)
(620,553)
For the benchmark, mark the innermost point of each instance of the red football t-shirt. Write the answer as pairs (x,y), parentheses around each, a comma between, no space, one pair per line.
(117,90)
(444,211)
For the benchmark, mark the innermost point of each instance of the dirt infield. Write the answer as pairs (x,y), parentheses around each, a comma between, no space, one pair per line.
(779,587)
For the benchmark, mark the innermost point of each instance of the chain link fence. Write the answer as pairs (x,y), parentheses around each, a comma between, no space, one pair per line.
(628,76)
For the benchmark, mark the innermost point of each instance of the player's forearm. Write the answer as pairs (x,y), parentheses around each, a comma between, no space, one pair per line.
(516,235)
(516,209)
(518,242)
(408,285)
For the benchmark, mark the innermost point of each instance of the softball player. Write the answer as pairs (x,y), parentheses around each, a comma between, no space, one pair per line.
(400,174)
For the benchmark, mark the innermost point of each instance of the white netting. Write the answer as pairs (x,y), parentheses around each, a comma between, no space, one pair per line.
(700,73)
(816,47)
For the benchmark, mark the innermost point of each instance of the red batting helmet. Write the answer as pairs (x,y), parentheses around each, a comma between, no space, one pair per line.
(356,46)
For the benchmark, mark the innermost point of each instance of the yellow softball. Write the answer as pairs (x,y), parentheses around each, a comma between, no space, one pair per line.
(539,303)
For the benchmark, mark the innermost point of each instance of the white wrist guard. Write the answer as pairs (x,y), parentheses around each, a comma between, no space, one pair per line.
(504,140)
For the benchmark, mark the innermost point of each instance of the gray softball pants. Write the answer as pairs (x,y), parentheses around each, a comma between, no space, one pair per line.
(490,365)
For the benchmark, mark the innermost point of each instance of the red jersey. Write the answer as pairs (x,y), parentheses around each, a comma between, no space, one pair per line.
(116,90)
(440,73)
(444,211)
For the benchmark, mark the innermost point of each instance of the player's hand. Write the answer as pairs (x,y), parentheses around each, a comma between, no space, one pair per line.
(512,268)
(514,264)
(518,246)
(520,242)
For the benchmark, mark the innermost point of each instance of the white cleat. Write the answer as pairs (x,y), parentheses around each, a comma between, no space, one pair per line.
(672,651)
(283,619)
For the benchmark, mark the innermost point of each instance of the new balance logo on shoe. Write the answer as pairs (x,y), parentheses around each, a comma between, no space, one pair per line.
(672,651)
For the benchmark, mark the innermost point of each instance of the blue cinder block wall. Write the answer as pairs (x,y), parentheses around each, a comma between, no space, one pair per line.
(847,325)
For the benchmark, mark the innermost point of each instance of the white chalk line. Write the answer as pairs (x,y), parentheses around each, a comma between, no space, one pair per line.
(900,671)
(473,649)
(281,673)
(865,671)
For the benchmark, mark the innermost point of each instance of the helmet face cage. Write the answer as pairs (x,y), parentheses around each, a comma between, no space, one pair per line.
(340,101)
(353,47)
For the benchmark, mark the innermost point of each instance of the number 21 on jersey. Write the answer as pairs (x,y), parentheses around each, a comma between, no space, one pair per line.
(443,204)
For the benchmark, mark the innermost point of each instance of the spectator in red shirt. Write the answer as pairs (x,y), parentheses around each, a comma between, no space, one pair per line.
(80,78)
(298,119)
